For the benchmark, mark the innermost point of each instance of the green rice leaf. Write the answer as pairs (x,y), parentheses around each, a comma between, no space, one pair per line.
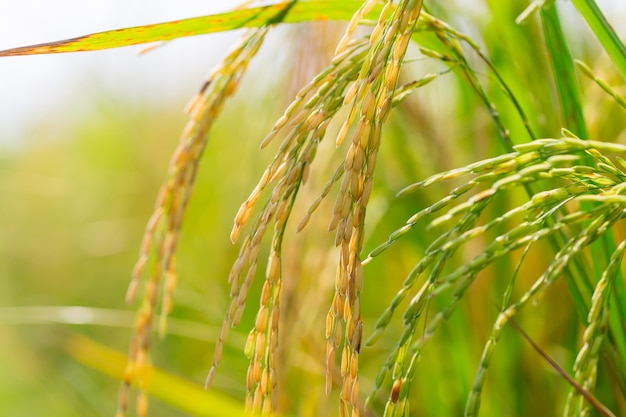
(285,12)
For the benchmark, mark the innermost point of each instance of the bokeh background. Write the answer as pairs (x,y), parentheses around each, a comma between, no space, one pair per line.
(85,141)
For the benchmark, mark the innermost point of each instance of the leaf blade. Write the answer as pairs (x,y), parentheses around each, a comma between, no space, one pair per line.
(175,391)
(285,12)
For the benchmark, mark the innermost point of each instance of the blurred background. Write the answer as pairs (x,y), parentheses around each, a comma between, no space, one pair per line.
(85,141)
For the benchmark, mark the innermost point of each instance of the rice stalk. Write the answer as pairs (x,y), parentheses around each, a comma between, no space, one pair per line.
(585,367)
(370,98)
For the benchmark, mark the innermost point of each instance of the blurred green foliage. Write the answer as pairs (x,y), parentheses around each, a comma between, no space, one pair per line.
(76,201)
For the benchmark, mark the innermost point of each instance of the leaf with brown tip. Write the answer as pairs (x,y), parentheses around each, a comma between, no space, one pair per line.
(285,12)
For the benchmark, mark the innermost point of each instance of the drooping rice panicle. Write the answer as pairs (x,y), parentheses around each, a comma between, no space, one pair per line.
(369,99)
(542,216)
(499,168)
(296,153)
(463,279)
(435,256)
(307,118)
(163,230)
(573,247)
(586,365)
(262,343)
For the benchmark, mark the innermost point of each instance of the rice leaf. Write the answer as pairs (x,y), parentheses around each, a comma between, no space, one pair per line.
(285,12)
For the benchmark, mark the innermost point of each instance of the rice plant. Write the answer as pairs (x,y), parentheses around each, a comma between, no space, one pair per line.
(530,198)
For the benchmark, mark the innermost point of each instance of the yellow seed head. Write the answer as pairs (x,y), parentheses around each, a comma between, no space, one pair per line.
(330,321)
(249,346)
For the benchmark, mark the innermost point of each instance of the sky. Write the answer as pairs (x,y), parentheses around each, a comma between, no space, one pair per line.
(31,87)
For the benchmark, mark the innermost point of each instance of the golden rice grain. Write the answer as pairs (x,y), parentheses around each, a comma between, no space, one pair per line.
(354,366)
(275,317)
(273,267)
(249,346)
(334,221)
(256,370)
(354,392)
(346,387)
(142,405)
(343,131)
(265,382)
(257,399)
(267,407)
(343,409)
(350,93)
(259,348)
(344,363)
(260,323)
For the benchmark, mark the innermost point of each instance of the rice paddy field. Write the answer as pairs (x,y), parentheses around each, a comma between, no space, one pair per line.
(368,208)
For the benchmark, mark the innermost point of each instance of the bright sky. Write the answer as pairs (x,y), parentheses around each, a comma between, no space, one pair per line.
(32,86)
